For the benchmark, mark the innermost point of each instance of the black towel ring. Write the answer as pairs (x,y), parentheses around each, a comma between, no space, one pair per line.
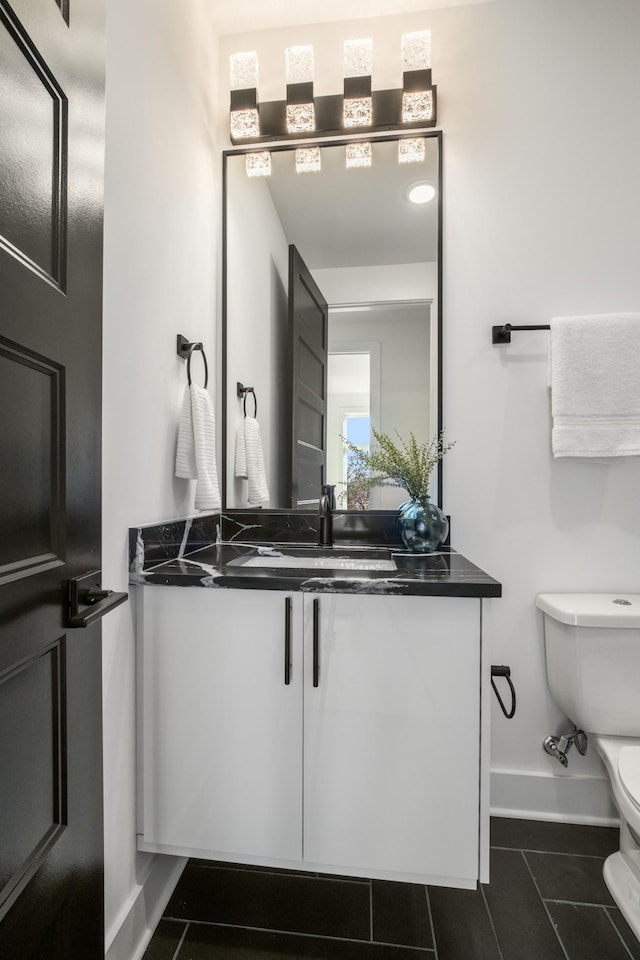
(255,402)
(242,391)
(198,346)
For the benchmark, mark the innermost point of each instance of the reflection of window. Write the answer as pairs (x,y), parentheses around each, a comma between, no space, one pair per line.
(357,430)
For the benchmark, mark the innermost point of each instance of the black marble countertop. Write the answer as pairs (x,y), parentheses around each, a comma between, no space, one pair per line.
(444,573)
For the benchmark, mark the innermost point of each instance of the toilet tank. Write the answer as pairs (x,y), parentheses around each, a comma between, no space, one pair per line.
(592,646)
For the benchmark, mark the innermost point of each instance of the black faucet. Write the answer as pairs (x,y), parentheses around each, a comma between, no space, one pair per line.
(325,510)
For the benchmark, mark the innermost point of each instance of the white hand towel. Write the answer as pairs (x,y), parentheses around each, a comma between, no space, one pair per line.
(241,452)
(595,385)
(196,450)
(250,460)
(258,489)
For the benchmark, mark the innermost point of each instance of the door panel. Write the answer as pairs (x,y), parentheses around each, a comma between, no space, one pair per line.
(391,769)
(221,722)
(31,462)
(33,154)
(51,188)
(308,320)
(32,760)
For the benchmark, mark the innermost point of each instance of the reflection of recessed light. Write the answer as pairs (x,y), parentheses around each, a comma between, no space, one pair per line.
(421,192)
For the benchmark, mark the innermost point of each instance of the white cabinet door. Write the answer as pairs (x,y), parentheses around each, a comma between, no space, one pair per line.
(391,735)
(220,729)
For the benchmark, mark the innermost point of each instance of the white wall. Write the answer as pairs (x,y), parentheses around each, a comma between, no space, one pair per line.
(538,104)
(257,271)
(161,248)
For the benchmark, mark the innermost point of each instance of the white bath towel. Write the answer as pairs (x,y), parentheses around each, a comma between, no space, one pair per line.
(196,450)
(595,385)
(250,461)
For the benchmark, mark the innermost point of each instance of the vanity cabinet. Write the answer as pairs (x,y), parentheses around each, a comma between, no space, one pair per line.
(367,762)
(219,732)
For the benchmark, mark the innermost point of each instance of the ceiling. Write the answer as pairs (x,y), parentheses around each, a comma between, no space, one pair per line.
(339,217)
(243,16)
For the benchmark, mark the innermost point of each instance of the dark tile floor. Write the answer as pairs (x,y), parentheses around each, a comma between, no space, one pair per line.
(546,901)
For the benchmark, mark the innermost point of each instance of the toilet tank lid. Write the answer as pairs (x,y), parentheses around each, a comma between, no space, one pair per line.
(592,609)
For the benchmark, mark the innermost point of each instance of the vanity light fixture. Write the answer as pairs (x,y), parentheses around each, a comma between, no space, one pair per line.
(308,160)
(358,154)
(420,192)
(357,108)
(411,150)
(358,105)
(417,91)
(244,119)
(301,116)
(258,164)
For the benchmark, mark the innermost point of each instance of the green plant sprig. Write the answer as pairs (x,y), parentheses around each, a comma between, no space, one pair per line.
(406,464)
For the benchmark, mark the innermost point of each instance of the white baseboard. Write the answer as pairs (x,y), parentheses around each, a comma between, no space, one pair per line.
(129,936)
(545,796)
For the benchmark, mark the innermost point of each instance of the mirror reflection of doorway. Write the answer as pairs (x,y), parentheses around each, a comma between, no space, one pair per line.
(348,418)
(378,376)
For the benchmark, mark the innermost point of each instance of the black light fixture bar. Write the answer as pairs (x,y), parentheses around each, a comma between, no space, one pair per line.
(298,93)
(329,111)
(416,81)
(244,99)
(357,88)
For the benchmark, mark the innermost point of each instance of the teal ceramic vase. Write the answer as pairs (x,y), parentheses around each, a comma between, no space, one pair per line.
(422,525)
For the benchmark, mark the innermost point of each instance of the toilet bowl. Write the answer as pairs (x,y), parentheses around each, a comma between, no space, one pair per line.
(592,647)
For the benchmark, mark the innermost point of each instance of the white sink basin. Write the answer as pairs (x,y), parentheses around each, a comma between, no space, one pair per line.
(317,563)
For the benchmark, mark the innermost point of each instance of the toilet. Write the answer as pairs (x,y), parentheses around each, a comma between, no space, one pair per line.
(592,646)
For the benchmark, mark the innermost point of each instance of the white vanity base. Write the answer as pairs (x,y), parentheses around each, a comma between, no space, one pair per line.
(367,757)
(306,867)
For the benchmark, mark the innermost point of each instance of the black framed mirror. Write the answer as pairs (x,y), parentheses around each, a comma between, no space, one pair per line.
(332,314)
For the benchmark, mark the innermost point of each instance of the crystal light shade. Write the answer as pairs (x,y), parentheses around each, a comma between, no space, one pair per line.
(416,50)
(358,58)
(244,120)
(301,117)
(244,123)
(417,106)
(299,64)
(357,104)
(358,112)
(358,155)
(243,70)
(300,112)
(258,164)
(411,150)
(308,159)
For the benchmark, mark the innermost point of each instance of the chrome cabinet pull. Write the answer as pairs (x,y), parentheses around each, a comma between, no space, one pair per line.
(316,643)
(88,602)
(287,640)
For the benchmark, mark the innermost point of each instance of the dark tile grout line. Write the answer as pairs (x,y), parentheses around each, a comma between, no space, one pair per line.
(370,911)
(578,903)
(481,887)
(551,853)
(615,927)
(544,905)
(433,930)
(298,933)
(181,941)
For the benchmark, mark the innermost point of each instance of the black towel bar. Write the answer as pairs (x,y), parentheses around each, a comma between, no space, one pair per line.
(502,333)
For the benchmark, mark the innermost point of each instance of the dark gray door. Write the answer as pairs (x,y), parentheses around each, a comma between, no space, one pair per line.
(51,197)
(308,322)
